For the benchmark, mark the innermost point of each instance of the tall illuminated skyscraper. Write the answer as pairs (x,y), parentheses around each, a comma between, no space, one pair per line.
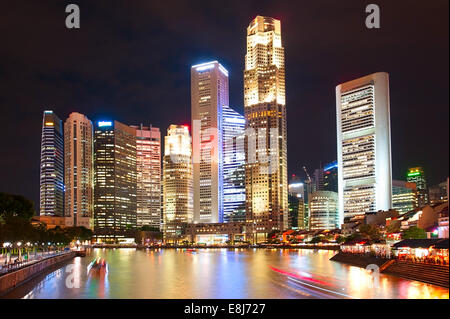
(79,170)
(233,166)
(265,114)
(52,166)
(148,163)
(417,175)
(209,93)
(177,179)
(114,181)
(364,145)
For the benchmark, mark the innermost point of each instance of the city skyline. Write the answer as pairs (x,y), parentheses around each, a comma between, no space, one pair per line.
(255,150)
(111,105)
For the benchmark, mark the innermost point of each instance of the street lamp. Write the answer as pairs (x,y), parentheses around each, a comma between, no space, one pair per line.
(7,245)
(20,250)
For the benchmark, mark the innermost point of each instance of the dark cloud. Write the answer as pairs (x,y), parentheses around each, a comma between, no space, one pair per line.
(130,61)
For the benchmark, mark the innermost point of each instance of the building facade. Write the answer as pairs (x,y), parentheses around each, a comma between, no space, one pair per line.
(114,181)
(148,176)
(330,177)
(233,166)
(79,170)
(324,210)
(209,93)
(297,205)
(404,196)
(417,175)
(177,180)
(364,145)
(266,127)
(439,193)
(51,201)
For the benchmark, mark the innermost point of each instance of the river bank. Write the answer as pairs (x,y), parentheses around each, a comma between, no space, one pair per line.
(11,280)
(428,273)
(313,246)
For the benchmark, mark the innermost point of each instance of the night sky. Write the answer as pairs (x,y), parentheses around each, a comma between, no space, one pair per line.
(130,61)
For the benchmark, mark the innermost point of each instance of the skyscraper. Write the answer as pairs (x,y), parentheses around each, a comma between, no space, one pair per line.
(209,93)
(417,175)
(148,166)
(364,145)
(177,179)
(266,128)
(52,166)
(404,196)
(79,170)
(323,210)
(114,181)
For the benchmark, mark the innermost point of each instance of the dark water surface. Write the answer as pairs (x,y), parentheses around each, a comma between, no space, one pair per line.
(219,273)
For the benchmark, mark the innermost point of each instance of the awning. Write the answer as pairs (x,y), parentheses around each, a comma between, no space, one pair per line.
(442,244)
(417,243)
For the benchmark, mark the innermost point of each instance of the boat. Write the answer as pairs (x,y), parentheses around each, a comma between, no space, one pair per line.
(97,267)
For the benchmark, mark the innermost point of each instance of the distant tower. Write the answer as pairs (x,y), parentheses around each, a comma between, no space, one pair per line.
(114,181)
(417,175)
(265,114)
(148,168)
(209,94)
(79,170)
(364,145)
(324,210)
(52,166)
(177,179)
(330,177)
(233,166)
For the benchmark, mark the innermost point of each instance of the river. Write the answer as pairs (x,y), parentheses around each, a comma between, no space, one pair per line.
(217,274)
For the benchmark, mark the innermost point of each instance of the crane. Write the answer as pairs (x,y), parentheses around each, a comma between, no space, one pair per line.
(308,191)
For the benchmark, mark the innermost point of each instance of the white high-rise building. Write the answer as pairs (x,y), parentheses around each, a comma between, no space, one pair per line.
(209,93)
(79,170)
(364,145)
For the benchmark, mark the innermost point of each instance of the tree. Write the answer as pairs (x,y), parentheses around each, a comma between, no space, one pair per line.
(15,205)
(414,232)
(149,228)
(370,232)
(316,240)
(393,227)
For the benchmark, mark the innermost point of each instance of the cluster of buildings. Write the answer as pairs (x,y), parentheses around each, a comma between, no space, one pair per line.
(224,177)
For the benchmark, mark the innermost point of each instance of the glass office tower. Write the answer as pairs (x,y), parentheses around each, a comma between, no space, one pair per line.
(114,181)
(52,166)
(233,166)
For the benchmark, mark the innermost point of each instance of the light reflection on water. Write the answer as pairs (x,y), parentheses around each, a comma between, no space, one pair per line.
(220,273)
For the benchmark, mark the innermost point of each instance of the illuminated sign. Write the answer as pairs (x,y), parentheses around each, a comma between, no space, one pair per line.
(414,174)
(104,123)
(330,166)
(48,123)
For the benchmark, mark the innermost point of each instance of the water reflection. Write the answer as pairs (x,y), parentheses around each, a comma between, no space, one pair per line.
(220,273)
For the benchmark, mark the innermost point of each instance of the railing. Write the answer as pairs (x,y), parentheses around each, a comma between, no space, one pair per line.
(10,267)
